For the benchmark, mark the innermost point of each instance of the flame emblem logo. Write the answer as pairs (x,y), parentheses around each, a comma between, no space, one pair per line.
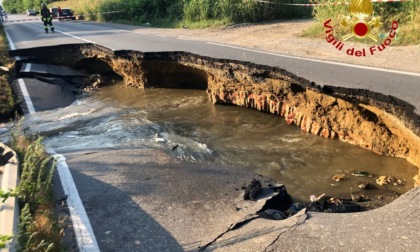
(360,23)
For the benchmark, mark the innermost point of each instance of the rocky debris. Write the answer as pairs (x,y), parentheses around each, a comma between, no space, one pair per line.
(385,180)
(333,205)
(159,139)
(358,197)
(4,69)
(5,156)
(363,185)
(95,81)
(296,208)
(252,190)
(370,199)
(272,214)
(281,206)
(382,180)
(365,180)
(281,201)
(278,207)
(361,174)
(342,207)
(338,177)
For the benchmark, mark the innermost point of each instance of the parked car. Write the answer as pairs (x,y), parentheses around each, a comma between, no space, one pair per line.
(67,14)
(30,13)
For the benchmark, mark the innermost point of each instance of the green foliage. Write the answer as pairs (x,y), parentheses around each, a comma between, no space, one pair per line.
(170,12)
(32,236)
(5,195)
(36,174)
(4,239)
(38,227)
(25,221)
(20,6)
(241,10)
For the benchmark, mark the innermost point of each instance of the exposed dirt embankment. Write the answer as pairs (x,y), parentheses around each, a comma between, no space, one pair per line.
(382,124)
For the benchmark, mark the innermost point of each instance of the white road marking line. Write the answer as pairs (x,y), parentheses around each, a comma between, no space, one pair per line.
(68,34)
(12,46)
(82,228)
(26,96)
(27,67)
(316,60)
(86,240)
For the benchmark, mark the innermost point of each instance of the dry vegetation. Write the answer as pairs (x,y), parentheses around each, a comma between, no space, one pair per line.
(7,102)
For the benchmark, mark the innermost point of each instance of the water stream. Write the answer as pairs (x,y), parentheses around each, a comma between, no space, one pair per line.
(187,126)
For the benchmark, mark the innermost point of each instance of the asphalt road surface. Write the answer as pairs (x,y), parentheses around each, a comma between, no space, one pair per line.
(143,200)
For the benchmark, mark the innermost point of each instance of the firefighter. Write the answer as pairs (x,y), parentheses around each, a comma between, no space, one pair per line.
(46,16)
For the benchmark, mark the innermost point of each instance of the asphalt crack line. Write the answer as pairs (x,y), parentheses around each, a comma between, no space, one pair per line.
(234,226)
(412,213)
(252,217)
(300,221)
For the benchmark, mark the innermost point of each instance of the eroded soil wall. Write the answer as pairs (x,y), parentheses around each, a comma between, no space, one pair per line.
(383,124)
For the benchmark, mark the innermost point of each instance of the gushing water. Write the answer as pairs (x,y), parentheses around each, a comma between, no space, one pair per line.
(186,125)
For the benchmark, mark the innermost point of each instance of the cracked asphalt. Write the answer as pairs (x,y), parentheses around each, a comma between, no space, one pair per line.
(144,200)
(390,228)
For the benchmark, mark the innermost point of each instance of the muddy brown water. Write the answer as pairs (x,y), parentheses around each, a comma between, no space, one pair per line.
(186,125)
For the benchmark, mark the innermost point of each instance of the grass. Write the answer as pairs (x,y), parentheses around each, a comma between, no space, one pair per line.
(409,34)
(39,229)
(208,23)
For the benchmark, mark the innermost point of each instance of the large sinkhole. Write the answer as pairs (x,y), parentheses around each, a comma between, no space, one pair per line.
(171,108)
(173,75)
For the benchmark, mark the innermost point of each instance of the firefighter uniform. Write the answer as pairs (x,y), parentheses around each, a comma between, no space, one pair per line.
(46,17)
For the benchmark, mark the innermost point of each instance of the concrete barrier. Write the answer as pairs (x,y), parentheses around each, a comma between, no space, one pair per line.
(9,211)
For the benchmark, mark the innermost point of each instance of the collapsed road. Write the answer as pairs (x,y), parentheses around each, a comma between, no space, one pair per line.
(167,224)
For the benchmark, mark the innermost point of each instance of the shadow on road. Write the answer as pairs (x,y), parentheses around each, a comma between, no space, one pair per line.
(118,222)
